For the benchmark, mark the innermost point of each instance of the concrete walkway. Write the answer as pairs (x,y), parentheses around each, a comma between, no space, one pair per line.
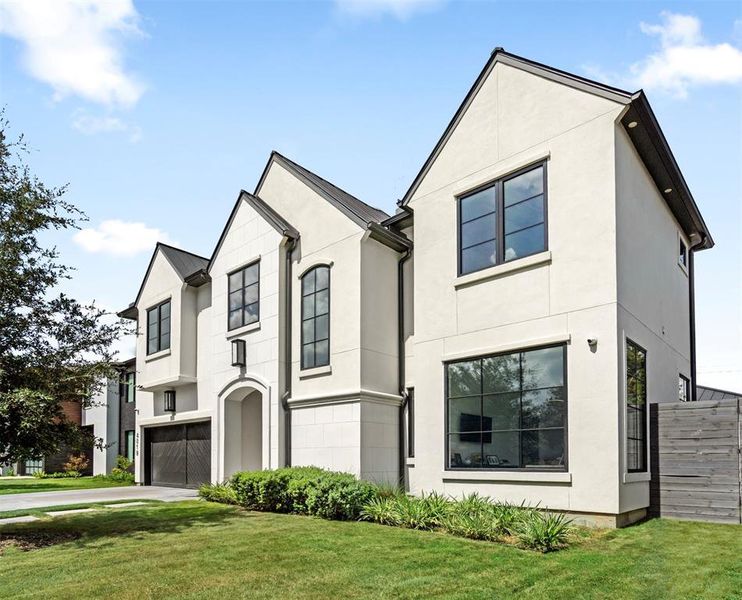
(63,497)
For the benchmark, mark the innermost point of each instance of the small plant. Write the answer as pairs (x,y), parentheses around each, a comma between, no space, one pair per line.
(75,465)
(475,525)
(544,532)
(416,513)
(10,472)
(39,474)
(218,492)
(381,510)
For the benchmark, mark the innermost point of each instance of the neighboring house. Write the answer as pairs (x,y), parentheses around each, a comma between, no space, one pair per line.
(54,463)
(501,334)
(112,417)
(709,393)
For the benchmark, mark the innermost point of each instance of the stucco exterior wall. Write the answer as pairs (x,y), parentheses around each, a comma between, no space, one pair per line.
(567,294)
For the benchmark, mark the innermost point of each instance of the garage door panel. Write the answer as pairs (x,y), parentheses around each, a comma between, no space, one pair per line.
(198,463)
(180,455)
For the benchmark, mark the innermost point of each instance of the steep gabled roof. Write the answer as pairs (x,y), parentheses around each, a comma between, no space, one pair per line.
(356,210)
(645,134)
(184,263)
(276,221)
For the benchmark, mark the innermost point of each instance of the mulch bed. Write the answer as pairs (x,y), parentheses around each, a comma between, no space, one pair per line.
(34,541)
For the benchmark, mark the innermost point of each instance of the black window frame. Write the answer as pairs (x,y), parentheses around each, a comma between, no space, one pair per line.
(682,253)
(159,336)
(243,289)
(499,234)
(563,468)
(410,414)
(644,410)
(314,317)
(686,388)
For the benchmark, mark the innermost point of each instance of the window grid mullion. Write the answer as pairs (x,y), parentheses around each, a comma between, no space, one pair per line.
(500,226)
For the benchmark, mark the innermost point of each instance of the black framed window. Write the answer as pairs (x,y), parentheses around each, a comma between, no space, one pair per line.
(683,388)
(158,327)
(315,318)
(682,254)
(508,411)
(504,221)
(410,422)
(244,296)
(129,387)
(636,408)
(129,444)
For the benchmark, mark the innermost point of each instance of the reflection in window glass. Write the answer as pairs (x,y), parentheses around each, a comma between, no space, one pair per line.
(243,302)
(158,328)
(315,318)
(636,408)
(508,411)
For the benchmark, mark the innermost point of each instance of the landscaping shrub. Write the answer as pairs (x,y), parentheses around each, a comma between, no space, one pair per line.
(59,475)
(303,490)
(75,464)
(218,492)
(120,473)
(381,510)
(544,532)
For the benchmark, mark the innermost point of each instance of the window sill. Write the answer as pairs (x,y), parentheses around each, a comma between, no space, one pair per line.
(521,264)
(636,477)
(316,372)
(157,355)
(243,330)
(512,476)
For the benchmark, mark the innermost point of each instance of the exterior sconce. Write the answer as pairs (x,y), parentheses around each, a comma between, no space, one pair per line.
(593,343)
(238,353)
(170,401)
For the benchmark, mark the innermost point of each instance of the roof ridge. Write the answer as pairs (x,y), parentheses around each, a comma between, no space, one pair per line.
(181,250)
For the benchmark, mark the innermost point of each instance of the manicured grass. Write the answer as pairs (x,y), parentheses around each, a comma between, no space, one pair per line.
(24,486)
(197,549)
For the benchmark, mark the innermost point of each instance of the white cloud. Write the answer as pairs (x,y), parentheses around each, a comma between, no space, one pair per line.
(75,46)
(92,125)
(400,9)
(685,58)
(119,238)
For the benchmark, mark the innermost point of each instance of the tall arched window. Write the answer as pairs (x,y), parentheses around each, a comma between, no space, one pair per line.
(315,317)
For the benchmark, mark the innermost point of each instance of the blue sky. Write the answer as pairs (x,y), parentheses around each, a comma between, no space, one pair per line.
(158,113)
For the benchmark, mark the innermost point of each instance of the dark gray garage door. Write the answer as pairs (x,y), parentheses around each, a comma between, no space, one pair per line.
(180,455)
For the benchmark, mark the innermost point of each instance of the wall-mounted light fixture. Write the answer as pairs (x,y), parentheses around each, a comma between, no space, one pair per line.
(593,343)
(170,401)
(238,353)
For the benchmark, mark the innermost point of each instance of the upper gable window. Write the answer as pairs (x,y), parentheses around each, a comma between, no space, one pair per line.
(158,327)
(315,318)
(504,221)
(244,296)
(682,253)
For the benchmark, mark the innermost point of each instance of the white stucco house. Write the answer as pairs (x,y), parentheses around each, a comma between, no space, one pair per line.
(502,333)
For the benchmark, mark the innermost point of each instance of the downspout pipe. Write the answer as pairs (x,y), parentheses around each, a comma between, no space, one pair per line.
(401,360)
(290,246)
(692,313)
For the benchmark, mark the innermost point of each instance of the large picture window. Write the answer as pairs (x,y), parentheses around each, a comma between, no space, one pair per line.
(244,296)
(636,408)
(508,411)
(315,318)
(158,328)
(503,221)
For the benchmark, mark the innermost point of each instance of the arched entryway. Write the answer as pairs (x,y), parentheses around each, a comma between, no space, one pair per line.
(243,426)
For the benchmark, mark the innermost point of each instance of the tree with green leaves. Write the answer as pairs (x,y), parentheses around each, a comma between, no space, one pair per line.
(52,348)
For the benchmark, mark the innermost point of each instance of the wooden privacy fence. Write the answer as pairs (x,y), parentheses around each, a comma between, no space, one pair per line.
(695,461)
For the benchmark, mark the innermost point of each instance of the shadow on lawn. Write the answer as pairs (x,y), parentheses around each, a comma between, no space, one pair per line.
(107,528)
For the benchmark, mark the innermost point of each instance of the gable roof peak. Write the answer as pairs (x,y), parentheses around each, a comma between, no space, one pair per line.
(356,210)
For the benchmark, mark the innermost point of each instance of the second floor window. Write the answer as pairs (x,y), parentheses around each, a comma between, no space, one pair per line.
(315,318)
(503,221)
(244,296)
(158,328)
(128,385)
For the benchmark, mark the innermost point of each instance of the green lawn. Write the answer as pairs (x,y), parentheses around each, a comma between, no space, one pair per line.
(19,485)
(201,550)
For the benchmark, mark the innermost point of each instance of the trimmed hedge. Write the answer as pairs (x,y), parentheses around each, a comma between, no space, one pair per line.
(304,491)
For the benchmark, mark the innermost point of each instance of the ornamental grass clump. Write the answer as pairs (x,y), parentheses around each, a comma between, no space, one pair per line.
(544,532)
(218,492)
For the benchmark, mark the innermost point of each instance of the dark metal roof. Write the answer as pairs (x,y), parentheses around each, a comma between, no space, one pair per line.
(184,262)
(355,209)
(709,393)
(647,137)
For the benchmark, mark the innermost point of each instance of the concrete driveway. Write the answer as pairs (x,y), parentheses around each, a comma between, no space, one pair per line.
(63,497)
